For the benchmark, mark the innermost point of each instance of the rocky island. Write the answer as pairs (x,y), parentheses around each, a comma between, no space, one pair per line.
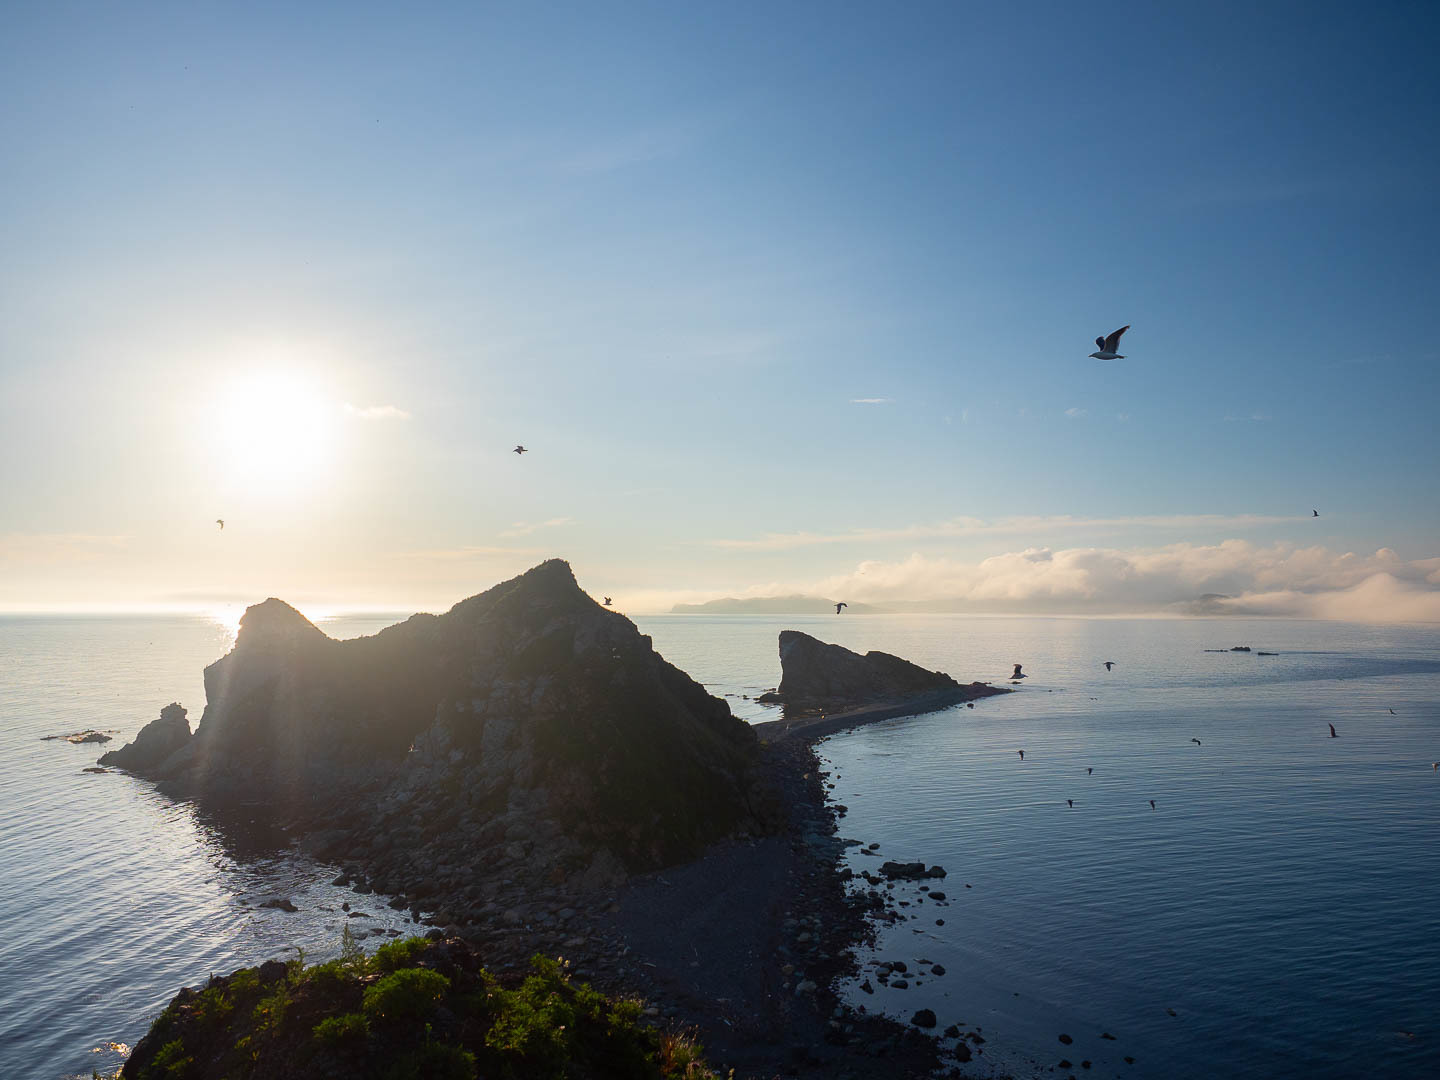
(828,688)
(529,777)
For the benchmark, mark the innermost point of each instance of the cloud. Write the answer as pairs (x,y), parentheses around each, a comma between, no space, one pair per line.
(871,400)
(967,526)
(376,412)
(1233,577)
(525,528)
(1074,412)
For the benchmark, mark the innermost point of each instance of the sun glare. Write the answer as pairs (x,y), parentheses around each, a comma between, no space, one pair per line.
(276,433)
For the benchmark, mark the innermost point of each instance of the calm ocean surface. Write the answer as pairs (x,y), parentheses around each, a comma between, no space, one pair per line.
(1282,900)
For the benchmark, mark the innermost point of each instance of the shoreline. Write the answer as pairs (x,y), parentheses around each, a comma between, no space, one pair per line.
(816,724)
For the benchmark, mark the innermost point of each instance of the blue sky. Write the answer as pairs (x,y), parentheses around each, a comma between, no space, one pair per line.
(772,292)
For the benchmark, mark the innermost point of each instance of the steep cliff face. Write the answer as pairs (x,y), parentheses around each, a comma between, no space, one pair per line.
(528,722)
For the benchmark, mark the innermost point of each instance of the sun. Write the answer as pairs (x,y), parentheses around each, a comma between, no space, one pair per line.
(276,433)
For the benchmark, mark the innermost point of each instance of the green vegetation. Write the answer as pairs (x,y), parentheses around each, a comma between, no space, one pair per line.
(416,1010)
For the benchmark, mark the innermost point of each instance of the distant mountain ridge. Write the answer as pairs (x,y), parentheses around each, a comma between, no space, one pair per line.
(773,605)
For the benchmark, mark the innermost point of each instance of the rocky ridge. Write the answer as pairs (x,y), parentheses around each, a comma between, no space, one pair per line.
(528,740)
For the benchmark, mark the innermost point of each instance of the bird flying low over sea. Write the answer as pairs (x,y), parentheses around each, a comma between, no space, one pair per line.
(1332,732)
(1021,753)
(1109,664)
(840,605)
(1071,803)
(1108,344)
(1195,741)
(1017,673)
(221,523)
(1089,770)
(1314,512)
(1152,804)
(520,450)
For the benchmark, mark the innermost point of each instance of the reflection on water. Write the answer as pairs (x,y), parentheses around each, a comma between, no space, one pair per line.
(1273,916)
(1280,899)
(112,896)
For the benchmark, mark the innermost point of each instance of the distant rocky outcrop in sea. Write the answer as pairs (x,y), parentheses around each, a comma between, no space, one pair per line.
(157,742)
(827,688)
(528,730)
(771,605)
(817,675)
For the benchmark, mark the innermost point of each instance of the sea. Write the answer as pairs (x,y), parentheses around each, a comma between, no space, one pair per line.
(1275,914)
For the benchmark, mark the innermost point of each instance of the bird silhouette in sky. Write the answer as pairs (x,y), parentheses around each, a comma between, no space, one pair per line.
(607,601)
(1314,513)
(1109,664)
(1108,344)
(1332,732)
(221,523)
(520,450)
(840,605)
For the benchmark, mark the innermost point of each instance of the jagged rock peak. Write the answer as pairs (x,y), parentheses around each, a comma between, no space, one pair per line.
(156,742)
(274,620)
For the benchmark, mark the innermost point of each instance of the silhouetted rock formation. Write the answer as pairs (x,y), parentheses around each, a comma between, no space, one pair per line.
(157,742)
(827,688)
(528,731)
(816,675)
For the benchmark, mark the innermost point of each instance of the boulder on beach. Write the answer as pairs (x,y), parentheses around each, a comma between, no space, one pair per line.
(157,741)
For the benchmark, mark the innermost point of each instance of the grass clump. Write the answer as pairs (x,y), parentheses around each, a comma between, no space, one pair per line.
(405,996)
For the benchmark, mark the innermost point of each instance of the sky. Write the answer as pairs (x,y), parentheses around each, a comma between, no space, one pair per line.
(781,298)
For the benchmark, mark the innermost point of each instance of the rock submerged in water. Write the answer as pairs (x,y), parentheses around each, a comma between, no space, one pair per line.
(157,742)
(86,736)
(911,871)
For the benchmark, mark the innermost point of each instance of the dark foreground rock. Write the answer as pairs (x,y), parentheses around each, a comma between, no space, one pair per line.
(156,743)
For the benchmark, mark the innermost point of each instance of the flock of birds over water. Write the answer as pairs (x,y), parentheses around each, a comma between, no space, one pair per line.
(1018,674)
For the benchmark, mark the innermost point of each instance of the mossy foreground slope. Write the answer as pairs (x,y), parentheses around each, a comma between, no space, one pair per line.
(416,1010)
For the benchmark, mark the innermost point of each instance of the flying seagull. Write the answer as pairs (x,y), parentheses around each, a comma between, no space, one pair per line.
(1435,766)
(607,601)
(520,450)
(1109,664)
(1332,732)
(1152,804)
(1021,753)
(1089,770)
(220,522)
(1071,802)
(1196,741)
(840,605)
(1017,673)
(1392,712)
(1108,345)
(1314,512)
